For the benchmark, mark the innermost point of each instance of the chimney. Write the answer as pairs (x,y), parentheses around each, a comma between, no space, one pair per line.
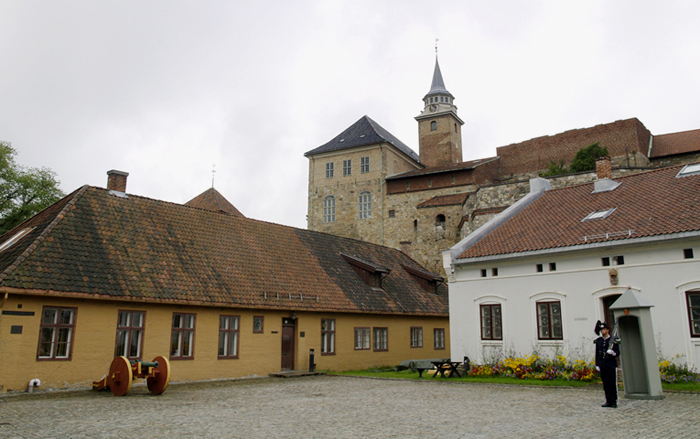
(116,180)
(406,247)
(603,167)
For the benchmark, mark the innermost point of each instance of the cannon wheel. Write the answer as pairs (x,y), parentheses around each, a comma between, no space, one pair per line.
(121,387)
(158,384)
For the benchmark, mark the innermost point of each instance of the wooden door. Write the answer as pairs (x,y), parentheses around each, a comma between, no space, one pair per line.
(288,332)
(607,315)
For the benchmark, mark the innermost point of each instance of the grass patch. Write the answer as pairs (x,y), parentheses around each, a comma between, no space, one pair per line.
(411,375)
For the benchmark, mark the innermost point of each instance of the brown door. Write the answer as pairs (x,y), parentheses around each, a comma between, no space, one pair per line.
(288,344)
(607,301)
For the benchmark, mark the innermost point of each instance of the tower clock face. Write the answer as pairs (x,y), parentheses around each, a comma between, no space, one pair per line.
(433,107)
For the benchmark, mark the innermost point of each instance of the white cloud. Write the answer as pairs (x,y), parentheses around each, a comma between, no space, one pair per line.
(165,90)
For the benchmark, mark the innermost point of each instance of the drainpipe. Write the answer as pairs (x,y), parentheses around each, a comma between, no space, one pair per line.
(32,384)
(310,211)
(382,182)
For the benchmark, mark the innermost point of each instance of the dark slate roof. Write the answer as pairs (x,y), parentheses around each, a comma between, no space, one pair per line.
(363,132)
(675,143)
(438,85)
(647,204)
(211,199)
(94,244)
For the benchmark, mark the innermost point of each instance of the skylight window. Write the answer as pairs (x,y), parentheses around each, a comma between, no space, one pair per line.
(17,236)
(689,170)
(599,214)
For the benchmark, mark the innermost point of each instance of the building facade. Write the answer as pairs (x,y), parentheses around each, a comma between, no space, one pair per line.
(425,203)
(103,273)
(538,276)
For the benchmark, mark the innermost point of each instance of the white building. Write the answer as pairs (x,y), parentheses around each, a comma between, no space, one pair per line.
(539,275)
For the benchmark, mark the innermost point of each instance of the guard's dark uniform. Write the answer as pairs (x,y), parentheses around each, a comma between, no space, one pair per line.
(607,364)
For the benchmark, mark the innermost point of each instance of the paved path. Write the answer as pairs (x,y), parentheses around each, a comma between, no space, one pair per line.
(345,407)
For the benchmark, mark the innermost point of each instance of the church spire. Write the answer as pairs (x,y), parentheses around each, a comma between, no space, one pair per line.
(439,127)
(438,85)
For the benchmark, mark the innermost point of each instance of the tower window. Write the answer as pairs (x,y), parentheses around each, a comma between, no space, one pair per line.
(433,126)
(440,220)
(364,165)
(455,128)
(329,209)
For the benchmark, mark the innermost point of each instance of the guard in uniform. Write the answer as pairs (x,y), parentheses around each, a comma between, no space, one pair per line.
(606,354)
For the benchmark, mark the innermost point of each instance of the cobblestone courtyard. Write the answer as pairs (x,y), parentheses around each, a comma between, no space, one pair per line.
(345,407)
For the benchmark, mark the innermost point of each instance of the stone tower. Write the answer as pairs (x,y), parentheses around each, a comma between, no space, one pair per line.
(439,127)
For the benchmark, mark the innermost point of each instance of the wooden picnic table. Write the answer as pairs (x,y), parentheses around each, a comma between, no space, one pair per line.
(446,366)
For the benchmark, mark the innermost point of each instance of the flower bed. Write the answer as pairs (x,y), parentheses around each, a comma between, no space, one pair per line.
(536,367)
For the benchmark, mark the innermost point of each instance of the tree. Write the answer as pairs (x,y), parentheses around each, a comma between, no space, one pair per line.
(24,192)
(584,160)
(554,169)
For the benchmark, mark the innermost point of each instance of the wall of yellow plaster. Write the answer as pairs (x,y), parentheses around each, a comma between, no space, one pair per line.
(259,354)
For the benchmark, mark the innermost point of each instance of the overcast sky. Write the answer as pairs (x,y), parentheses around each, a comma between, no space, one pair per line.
(165,90)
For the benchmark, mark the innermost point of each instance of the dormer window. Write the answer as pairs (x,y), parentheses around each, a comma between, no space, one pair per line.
(599,214)
(689,170)
(427,280)
(370,273)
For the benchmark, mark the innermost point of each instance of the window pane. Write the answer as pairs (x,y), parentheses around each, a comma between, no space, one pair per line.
(123,319)
(137,320)
(189,321)
(234,323)
(223,343)
(175,344)
(187,344)
(694,299)
(233,344)
(49,316)
(177,321)
(135,346)
(121,343)
(46,345)
(66,317)
(223,322)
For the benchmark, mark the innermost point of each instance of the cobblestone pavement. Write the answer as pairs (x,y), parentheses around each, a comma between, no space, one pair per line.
(345,407)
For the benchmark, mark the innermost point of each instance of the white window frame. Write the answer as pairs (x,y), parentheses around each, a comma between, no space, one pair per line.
(329,209)
(365,205)
(347,167)
(329,170)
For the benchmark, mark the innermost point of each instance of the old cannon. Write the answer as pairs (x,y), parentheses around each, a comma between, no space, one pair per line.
(123,371)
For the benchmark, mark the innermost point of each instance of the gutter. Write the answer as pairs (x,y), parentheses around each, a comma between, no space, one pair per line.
(591,246)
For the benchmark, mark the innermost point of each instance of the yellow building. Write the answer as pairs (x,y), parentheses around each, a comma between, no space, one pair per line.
(102,273)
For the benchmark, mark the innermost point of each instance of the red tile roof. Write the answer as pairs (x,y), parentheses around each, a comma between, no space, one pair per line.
(444,200)
(646,204)
(211,199)
(96,245)
(675,143)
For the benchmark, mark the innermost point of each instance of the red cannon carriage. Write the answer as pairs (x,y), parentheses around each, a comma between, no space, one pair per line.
(123,371)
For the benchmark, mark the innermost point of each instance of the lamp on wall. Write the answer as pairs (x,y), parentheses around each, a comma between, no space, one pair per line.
(294,315)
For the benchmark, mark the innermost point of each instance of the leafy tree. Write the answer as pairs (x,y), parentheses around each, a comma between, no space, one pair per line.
(24,192)
(584,160)
(555,169)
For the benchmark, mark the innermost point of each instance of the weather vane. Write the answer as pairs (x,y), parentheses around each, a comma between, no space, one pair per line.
(213,171)
(436,41)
